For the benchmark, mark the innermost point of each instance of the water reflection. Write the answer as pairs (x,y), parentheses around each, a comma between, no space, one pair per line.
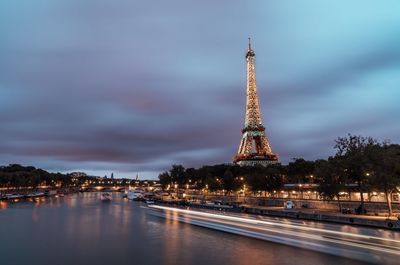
(3,205)
(80,229)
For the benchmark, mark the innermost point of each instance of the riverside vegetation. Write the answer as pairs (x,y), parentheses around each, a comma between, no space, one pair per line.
(363,161)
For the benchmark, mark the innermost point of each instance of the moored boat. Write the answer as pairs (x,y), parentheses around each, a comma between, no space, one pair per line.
(105,197)
(49,193)
(149,201)
(34,194)
(13,196)
(135,194)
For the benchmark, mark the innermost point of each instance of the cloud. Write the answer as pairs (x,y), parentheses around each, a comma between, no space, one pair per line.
(131,87)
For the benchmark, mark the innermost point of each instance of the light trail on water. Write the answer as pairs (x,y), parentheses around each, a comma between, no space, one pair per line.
(380,250)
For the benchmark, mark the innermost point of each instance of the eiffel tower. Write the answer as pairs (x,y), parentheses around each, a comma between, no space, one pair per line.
(254,148)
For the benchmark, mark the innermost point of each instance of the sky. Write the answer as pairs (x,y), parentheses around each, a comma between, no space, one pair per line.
(132,87)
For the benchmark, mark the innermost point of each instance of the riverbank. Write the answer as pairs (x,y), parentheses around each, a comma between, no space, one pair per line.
(17,196)
(392,223)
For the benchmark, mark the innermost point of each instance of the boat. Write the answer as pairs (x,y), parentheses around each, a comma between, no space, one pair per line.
(49,193)
(34,194)
(105,197)
(135,194)
(148,194)
(13,196)
(149,201)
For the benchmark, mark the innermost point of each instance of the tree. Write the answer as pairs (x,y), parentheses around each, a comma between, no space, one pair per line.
(211,183)
(274,177)
(332,180)
(165,179)
(177,174)
(300,170)
(256,180)
(17,176)
(190,174)
(268,178)
(229,182)
(351,152)
(384,169)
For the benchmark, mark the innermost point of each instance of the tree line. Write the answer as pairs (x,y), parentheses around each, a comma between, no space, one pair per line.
(361,161)
(16,176)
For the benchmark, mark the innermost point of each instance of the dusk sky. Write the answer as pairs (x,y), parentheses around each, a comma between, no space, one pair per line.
(132,87)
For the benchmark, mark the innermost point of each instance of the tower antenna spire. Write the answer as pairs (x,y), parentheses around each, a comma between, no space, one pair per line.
(249,43)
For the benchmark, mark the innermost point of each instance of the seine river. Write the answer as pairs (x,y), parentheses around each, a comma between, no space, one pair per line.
(80,229)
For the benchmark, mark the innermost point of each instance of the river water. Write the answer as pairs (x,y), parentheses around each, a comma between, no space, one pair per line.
(80,229)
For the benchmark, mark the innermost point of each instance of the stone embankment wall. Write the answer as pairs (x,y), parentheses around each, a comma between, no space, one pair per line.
(258,206)
(336,218)
(373,207)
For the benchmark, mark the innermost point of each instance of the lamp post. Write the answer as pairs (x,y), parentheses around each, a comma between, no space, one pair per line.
(176,190)
(301,190)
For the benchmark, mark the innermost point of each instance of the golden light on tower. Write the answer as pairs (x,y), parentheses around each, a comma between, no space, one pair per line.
(254,148)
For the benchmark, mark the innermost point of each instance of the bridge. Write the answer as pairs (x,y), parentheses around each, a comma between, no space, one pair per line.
(119,188)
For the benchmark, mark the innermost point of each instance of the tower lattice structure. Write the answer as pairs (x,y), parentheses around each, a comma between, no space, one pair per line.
(254,148)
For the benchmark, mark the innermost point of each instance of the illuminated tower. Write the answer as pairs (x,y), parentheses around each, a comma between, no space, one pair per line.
(254,148)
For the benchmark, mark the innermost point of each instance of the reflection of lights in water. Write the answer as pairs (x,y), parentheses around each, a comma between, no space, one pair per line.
(35,215)
(3,205)
(361,246)
(256,222)
(171,217)
(39,200)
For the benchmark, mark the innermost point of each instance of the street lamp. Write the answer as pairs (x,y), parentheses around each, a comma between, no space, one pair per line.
(176,190)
